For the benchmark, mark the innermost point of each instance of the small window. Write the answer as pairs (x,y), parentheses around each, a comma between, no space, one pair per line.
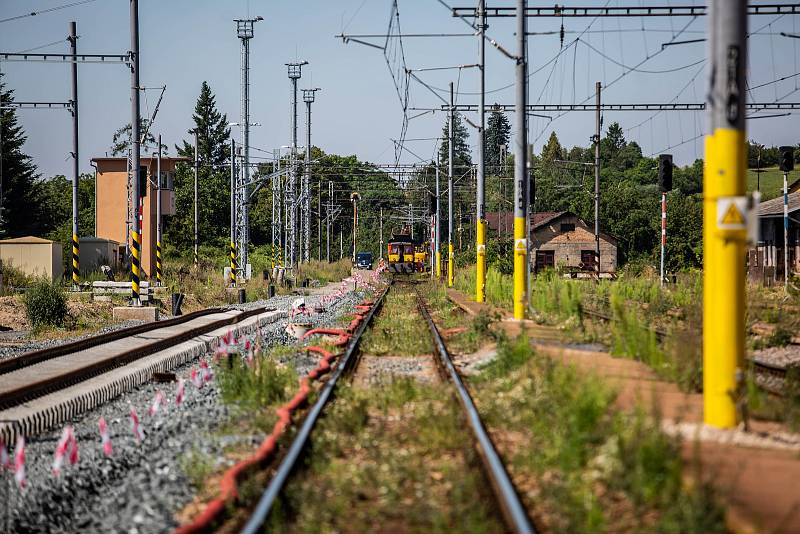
(567,227)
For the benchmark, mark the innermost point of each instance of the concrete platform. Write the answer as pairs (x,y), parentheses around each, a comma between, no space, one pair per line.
(140,313)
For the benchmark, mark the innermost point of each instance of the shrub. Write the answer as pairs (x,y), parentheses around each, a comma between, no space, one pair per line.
(45,304)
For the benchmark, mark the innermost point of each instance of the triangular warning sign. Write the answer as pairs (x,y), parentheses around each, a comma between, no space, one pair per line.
(732,215)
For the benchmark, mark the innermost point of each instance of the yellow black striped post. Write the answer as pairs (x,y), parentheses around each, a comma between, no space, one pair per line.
(135,257)
(76,272)
(158,263)
(233,264)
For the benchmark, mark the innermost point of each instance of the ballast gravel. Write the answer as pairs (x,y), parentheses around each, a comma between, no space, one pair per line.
(141,486)
(39,344)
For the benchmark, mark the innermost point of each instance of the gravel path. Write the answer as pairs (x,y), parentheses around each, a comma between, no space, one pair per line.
(141,486)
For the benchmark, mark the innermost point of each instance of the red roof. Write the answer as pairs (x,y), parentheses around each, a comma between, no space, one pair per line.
(506,218)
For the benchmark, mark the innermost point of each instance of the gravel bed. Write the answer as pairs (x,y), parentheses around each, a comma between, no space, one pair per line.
(141,486)
(38,344)
(378,370)
(280,302)
(783,356)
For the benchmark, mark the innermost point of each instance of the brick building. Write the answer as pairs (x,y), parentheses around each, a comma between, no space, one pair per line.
(560,239)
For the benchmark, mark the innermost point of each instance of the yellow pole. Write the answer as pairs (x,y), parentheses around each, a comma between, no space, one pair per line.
(520,170)
(480,280)
(520,264)
(450,265)
(724,214)
(438,265)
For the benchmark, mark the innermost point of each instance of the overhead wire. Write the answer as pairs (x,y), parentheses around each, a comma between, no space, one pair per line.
(43,11)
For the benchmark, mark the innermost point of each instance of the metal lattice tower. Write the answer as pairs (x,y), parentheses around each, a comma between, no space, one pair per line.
(308,98)
(244,31)
(295,71)
(277,246)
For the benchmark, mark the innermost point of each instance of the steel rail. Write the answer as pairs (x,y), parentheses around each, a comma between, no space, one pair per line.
(299,443)
(771,370)
(513,510)
(26,392)
(30,358)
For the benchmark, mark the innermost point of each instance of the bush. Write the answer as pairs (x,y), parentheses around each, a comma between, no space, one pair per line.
(45,304)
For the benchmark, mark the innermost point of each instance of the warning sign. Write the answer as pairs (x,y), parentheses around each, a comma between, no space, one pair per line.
(481,248)
(732,213)
(521,245)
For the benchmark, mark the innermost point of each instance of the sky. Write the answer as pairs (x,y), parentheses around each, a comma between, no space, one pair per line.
(358,110)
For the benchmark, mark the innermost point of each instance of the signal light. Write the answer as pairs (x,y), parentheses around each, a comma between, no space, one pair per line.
(787,158)
(142,181)
(432,203)
(665,172)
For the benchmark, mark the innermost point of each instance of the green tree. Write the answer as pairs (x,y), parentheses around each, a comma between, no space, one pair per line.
(213,140)
(213,180)
(462,158)
(498,131)
(552,150)
(21,209)
(122,139)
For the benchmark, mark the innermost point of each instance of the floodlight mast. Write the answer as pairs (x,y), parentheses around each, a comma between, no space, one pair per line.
(308,98)
(295,71)
(244,31)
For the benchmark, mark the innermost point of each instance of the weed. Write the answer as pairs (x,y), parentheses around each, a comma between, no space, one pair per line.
(511,354)
(197,466)
(395,458)
(596,469)
(780,337)
(265,384)
(325,272)
(45,304)
(398,327)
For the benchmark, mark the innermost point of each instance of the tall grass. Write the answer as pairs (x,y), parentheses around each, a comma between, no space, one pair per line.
(597,469)
(554,295)
(325,272)
(499,287)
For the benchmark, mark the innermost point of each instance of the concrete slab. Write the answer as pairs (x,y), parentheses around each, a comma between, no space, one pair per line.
(141,313)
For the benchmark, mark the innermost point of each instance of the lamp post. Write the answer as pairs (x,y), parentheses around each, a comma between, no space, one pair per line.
(354,198)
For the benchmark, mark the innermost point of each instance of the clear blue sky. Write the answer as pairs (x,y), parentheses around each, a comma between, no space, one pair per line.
(184,42)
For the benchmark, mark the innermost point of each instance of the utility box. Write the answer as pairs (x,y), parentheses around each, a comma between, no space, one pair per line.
(97,251)
(34,256)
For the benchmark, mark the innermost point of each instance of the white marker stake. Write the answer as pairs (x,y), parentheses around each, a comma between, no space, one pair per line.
(19,463)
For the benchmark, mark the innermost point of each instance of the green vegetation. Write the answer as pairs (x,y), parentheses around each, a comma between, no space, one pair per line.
(265,384)
(325,272)
(398,328)
(395,458)
(448,315)
(770,182)
(197,466)
(582,465)
(45,304)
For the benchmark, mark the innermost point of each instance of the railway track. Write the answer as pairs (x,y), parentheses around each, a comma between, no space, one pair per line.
(43,388)
(769,376)
(507,499)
